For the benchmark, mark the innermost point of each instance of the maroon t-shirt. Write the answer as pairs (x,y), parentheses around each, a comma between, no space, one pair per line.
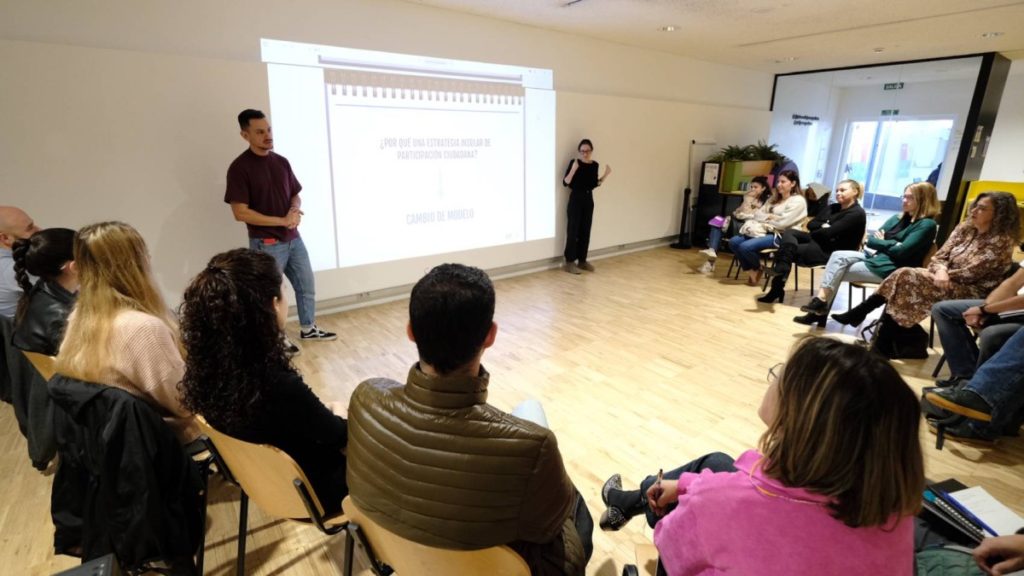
(267,184)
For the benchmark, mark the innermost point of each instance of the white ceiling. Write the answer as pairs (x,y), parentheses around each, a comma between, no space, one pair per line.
(776,35)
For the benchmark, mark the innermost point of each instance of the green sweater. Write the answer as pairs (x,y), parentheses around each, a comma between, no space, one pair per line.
(908,248)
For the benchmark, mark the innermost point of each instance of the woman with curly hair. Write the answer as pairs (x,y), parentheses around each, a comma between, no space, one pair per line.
(238,375)
(44,306)
(832,488)
(121,332)
(970,264)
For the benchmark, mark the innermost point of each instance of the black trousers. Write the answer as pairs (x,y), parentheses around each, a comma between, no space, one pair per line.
(577,233)
(797,246)
(716,462)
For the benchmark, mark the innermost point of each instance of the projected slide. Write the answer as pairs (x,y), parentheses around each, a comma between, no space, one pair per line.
(404,156)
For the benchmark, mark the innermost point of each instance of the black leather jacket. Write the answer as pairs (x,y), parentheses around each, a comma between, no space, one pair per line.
(42,328)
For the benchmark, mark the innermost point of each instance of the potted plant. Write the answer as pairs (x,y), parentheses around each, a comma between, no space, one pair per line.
(741,163)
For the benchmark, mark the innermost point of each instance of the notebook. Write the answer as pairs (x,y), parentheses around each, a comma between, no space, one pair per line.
(971,510)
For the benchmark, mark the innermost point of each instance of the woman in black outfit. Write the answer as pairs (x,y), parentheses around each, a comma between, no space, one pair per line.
(581,178)
(44,307)
(239,378)
(840,226)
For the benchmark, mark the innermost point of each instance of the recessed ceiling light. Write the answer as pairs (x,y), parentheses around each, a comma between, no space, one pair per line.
(878,50)
(669,28)
(991,34)
(784,60)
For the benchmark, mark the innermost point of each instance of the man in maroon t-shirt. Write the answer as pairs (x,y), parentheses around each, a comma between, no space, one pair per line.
(264,193)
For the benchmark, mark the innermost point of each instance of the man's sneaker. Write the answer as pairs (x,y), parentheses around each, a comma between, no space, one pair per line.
(290,349)
(709,253)
(586,266)
(571,268)
(708,267)
(963,402)
(315,333)
(963,432)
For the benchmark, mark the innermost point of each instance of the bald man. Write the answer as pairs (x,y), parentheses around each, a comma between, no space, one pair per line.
(15,224)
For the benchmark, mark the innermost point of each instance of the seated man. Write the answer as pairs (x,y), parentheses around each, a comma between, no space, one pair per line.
(993,399)
(14,225)
(431,461)
(957,320)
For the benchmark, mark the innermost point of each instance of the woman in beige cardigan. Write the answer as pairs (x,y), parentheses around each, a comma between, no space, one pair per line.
(786,208)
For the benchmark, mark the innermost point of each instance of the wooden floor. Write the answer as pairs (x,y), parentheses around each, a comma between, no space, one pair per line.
(644,364)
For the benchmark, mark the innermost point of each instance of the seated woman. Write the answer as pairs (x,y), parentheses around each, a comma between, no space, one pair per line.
(238,375)
(121,332)
(833,488)
(904,240)
(786,208)
(970,264)
(838,227)
(759,193)
(44,307)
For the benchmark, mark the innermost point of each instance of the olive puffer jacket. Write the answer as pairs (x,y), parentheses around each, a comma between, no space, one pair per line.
(431,461)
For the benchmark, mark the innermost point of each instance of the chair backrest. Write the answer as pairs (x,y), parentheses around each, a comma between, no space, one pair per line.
(928,257)
(42,363)
(408,557)
(267,474)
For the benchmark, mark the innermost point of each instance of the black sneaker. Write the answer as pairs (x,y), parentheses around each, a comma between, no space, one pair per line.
(315,333)
(290,349)
(963,402)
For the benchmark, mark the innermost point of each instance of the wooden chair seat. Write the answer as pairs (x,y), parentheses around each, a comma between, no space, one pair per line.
(384,549)
(43,364)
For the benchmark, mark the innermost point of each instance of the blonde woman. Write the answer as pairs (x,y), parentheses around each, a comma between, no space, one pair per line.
(121,332)
(832,488)
(786,208)
(904,240)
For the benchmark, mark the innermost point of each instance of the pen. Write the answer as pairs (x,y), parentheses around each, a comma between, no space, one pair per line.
(967,513)
(657,484)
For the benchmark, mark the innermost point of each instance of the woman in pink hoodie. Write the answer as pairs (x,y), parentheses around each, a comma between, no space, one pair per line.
(832,489)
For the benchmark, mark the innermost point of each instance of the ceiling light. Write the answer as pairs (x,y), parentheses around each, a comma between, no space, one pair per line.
(991,34)
(669,28)
(878,50)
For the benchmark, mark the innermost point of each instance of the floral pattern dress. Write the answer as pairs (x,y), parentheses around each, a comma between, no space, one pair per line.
(976,263)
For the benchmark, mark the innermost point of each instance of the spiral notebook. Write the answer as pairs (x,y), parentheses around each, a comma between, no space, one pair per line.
(972,511)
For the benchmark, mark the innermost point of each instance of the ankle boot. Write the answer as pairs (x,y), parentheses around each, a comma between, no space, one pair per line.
(811,319)
(816,306)
(778,291)
(856,315)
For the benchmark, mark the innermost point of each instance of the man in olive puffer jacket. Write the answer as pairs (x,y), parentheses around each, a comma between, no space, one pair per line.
(431,461)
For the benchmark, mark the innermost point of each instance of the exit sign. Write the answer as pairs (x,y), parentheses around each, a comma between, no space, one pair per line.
(891,112)
(893,86)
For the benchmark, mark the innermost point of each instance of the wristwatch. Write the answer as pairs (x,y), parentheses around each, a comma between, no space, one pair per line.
(982,309)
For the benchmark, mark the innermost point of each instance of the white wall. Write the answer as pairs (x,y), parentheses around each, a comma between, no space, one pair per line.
(125,110)
(1005,157)
(807,145)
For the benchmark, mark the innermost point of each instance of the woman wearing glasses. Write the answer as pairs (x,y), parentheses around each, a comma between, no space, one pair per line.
(970,264)
(832,488)
(581,178)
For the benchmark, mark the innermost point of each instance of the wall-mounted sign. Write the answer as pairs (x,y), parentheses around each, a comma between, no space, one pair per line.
(893,86)
(891,112)
(804,120)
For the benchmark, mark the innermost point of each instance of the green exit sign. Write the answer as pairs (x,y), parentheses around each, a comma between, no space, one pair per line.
(891,112)
(893,86)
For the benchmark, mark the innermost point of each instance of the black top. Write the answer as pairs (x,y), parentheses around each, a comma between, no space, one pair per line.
(845,229)
(42,328)
(294,419)
(585,178)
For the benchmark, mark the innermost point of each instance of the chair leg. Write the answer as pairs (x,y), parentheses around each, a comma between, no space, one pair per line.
(243,529)
(204,471)
(931,332)
(796,277)
(349,552)
(938,367)
(811,289)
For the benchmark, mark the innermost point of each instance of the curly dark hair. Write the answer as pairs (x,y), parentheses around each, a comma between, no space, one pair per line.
(43,255)
(232,339)
(1005,213)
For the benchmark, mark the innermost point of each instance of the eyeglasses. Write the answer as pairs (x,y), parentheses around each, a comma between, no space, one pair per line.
(981,207)
(586,150)
(774,372)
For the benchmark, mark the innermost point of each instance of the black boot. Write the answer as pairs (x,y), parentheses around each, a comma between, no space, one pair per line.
(816,306)
(622,505)
(812,319)
(778,291)
(856,316)
(784,259)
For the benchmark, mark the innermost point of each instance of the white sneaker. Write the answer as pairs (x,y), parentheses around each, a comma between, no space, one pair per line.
(708,267)
(709,253)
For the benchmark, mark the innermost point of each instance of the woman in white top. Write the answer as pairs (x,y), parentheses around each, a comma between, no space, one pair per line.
(786,208)
(121,332)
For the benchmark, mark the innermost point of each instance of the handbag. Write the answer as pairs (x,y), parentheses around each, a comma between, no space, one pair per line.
(893,341)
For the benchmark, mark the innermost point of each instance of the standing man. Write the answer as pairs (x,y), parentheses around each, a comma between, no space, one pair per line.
(15,225)
(264,193)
